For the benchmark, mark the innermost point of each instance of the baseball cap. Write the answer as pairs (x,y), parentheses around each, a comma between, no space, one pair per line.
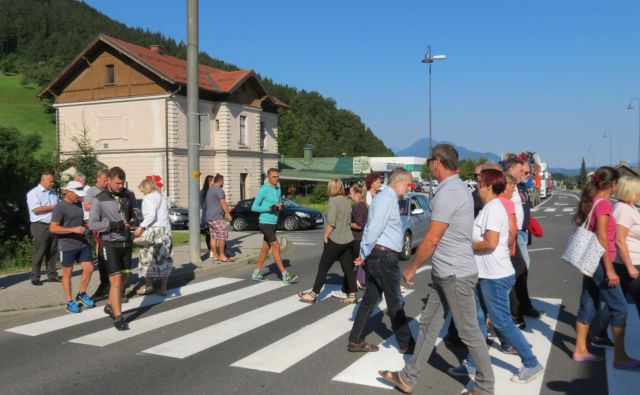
(76,188)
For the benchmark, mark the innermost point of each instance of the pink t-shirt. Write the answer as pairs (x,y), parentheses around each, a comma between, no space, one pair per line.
(605,207)
(511,210)
(508,205)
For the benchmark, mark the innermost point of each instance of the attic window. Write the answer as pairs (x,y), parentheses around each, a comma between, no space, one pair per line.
(111,74)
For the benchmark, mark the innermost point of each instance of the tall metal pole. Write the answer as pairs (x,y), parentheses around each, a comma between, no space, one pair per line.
(428,58)
(193,131)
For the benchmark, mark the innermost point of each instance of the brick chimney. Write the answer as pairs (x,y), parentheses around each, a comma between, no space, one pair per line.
(157,49)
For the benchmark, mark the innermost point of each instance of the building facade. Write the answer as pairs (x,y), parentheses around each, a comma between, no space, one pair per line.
(131,100)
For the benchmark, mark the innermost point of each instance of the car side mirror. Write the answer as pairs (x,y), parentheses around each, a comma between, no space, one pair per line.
(417,211)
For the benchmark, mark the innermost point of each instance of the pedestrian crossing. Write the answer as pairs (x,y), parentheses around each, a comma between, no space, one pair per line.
(303,238)
(553,209)
(300,343)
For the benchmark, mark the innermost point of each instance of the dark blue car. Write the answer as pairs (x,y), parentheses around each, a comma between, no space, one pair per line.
(291,217)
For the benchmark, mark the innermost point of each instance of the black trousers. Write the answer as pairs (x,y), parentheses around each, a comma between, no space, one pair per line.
(45,247)
(331,253)
(519,295)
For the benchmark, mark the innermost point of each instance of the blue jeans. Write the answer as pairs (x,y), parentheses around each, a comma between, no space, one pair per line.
(495,294)
(595,288)
(522,238)
(383,277)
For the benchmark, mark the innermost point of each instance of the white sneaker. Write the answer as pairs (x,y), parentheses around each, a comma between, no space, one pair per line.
(338,294)
(210,254)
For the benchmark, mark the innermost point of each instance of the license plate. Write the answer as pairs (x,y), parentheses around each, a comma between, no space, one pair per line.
(319,221)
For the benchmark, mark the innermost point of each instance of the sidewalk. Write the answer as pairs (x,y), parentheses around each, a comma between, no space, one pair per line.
(17,293)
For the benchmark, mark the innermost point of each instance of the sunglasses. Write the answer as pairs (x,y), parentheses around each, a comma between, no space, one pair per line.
(274,176)
(431,160)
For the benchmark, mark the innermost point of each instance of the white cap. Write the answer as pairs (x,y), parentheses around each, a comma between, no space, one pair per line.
(76,187)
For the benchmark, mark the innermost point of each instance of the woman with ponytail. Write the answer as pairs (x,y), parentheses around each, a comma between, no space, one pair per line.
(605,283)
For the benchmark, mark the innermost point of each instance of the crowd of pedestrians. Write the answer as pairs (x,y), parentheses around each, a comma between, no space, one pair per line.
(477,243)
(63,228)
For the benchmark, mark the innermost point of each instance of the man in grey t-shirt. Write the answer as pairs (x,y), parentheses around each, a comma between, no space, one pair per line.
(68,224)
(217,208)
(454,273)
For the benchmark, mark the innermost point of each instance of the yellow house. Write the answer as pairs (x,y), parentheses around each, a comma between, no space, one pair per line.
(132,102)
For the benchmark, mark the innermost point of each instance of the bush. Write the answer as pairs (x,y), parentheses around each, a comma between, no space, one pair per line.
(16,254)
(319,194)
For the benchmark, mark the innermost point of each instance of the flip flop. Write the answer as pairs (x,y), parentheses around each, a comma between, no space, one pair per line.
(631,364)
(588,358)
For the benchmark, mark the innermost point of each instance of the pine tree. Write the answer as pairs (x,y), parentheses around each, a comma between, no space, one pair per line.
(582,177)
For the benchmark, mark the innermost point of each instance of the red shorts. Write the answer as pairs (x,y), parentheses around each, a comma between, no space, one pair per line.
(218,230)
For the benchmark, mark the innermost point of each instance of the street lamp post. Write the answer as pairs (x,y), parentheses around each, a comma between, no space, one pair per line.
(630,107)
(428,59)
(609,133)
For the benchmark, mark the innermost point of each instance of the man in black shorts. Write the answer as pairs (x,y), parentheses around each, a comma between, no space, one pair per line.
(68,224)
(111,215)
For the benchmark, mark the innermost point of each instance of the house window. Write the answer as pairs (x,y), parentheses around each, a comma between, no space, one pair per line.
(111,74)
(243,130)
(263,134)
(217,125)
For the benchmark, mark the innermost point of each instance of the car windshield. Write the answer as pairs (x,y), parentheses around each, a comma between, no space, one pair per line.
(289,203)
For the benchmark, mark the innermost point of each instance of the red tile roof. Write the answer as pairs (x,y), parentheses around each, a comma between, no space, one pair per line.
(171,69)
(210,79)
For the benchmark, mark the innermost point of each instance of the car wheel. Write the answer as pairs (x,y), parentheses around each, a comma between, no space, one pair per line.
(290,223)
(406,246)
(239,224)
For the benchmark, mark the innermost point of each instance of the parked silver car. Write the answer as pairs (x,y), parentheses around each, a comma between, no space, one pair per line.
(415,214)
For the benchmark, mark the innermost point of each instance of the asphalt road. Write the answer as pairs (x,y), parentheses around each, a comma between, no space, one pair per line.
(237,337)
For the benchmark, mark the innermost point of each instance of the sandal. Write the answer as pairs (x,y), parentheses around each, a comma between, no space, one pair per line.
(350,299)
(307,297)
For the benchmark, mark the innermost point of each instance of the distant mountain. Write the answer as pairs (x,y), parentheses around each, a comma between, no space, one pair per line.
(566,172)
(421,147)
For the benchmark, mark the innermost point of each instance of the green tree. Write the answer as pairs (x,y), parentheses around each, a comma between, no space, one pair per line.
(425,172)
(20,171)
(85,159)
(467,168)
(582,177)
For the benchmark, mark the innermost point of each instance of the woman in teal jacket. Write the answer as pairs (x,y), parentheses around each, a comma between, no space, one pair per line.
(268,204)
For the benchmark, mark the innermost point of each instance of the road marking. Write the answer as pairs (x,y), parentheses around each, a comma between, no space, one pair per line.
(303,244)
(533,210)
(625,381)
(65,321)
(558,215)
(304,342)
(540,249)
(560,195)
(568,209)
(364,371)
(203,339)
(541,216)
(147,324)
(539,334)
(549,210)
(560,204)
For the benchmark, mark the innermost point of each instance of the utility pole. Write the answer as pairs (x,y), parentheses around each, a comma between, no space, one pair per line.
(193,131)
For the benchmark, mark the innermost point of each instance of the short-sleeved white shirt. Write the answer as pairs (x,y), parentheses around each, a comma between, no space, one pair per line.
(517,202)
(627,216)
(497,263)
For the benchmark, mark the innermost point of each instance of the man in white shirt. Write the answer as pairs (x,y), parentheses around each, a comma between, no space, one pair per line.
(41,201)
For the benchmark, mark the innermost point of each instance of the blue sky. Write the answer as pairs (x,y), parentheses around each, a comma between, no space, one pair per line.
(548,76)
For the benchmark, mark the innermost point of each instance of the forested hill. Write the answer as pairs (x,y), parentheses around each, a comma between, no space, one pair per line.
(40,37)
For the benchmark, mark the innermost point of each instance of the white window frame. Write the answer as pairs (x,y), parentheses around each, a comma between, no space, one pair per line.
(243,131)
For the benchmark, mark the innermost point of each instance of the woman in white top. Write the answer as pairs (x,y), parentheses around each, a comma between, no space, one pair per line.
(496,275)
(627,238)
(155,231)
(373,183)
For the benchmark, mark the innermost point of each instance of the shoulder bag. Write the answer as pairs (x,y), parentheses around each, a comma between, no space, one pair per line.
(584,251)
